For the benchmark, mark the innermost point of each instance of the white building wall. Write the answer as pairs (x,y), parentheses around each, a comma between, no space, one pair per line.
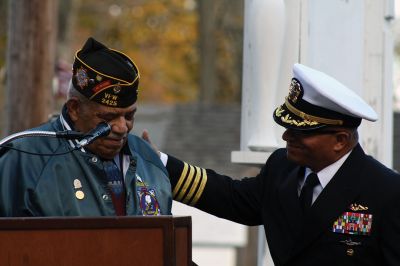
(348,39)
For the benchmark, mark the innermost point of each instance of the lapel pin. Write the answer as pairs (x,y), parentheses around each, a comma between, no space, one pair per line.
(79,194)
(77,184)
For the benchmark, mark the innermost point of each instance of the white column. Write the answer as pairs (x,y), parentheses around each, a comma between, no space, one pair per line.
(264,29)
(351,41)
(377,138)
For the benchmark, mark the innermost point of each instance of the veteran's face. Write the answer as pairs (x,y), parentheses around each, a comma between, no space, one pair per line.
(86,116)
(316,149)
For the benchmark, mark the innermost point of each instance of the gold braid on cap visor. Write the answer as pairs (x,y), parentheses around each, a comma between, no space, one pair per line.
(310,118)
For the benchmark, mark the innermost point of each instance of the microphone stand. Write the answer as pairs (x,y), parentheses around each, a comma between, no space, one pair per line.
(102,129)
(67,134)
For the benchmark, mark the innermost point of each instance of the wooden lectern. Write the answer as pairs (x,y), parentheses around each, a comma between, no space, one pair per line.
(100,241)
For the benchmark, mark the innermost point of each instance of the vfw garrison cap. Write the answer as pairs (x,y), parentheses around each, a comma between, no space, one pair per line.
(105,76)
(317,100)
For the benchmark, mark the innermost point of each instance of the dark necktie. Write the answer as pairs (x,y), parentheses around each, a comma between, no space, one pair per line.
(307,191)
(116,186)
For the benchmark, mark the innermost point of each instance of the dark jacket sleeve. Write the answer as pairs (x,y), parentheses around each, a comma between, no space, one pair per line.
(236,200)
(390,230)
(16,185)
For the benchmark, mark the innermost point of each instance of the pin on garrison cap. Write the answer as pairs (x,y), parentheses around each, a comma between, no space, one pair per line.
(105,76)
(317,100)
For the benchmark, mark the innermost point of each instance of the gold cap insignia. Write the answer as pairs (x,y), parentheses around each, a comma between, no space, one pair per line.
(295,91)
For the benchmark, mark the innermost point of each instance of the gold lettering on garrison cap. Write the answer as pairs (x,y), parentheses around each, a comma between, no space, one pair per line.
(98,70)
(110,99)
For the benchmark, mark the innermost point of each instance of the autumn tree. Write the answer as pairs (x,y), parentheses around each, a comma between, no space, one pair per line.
(30,62)
(162,37)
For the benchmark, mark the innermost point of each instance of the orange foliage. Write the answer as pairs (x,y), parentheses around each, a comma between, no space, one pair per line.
(160,36)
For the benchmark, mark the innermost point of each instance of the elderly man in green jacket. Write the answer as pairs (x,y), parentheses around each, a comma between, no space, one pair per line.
(115,175)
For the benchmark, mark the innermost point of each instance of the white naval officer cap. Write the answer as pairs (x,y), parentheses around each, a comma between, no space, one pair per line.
(316,100)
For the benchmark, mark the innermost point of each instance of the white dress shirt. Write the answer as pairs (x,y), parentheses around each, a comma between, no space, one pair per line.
(324,176)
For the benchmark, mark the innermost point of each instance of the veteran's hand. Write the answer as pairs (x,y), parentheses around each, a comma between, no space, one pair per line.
(146,137)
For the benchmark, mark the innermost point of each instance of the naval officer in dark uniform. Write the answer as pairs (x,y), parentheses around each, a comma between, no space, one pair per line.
(116,175)
(321,199)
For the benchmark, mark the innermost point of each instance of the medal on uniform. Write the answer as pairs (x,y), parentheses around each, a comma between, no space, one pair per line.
(79,194)
(353,223)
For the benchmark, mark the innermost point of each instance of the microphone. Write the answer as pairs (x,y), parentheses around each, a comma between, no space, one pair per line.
(101,130)
(70,134)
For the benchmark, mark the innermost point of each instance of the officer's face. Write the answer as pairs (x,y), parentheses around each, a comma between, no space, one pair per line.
(87,115)
(316,149)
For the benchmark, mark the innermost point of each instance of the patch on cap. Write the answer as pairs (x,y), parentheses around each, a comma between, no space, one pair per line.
(105,76)
(317,100)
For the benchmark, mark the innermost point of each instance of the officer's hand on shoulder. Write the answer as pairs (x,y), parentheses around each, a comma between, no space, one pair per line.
(146,137)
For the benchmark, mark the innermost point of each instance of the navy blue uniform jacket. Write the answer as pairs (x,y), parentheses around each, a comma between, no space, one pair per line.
(361,186)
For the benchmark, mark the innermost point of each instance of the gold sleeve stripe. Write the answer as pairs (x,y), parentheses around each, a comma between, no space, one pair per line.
(187,183)
(193,186)
(201,188)
(180,181)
